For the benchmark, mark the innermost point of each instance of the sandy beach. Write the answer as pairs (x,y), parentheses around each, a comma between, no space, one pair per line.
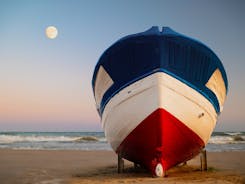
(77,167)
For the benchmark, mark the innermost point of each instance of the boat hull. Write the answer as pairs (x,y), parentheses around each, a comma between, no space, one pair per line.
(158,94)
(158,119)
(160,138)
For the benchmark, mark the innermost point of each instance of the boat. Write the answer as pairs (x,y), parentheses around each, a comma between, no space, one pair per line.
(159,94)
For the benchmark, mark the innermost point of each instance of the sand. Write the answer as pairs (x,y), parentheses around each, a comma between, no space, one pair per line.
(78,167)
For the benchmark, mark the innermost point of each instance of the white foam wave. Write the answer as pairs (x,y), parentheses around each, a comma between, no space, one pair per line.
(17,138)
(8,139)
(102,139)
(225,140)
(233,133)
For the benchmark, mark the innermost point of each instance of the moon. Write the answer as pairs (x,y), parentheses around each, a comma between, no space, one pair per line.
(51,32)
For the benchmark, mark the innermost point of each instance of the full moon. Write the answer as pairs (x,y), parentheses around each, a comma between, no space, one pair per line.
(51,32)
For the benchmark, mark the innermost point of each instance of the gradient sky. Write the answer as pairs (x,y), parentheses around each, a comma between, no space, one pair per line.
(45,85)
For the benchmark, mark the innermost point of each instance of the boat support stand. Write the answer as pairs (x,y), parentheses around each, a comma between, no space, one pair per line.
(120,163)
(203,160)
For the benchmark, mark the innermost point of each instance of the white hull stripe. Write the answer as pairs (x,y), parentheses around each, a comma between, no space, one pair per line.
(168,73)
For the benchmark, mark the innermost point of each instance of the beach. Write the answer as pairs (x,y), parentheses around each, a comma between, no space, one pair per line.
(79,166)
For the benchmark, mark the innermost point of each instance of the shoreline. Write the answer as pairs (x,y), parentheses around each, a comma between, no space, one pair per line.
(77,167)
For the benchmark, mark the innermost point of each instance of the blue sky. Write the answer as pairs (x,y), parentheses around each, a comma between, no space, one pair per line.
(46,84)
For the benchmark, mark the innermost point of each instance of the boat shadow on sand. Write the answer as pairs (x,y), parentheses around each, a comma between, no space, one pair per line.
(180,174)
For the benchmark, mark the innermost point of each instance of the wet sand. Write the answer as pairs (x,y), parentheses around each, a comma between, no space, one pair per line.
(78,167)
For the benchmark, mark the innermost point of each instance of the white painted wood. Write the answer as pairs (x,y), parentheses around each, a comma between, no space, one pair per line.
(217,85)
(102,83)
(134,103)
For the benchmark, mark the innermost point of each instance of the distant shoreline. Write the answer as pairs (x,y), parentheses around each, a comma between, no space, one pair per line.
(77,167)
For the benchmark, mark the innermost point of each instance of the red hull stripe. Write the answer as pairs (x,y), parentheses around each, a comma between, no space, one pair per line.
(160,138)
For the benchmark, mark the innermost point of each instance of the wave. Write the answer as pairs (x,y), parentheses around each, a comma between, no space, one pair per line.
(87,139)
(227,133)
(18,138)
(229,139)
(234,133)
(238,138)
(96,137)
(8,139)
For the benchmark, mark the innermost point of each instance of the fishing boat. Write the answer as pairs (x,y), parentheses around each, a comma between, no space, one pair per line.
(159,94)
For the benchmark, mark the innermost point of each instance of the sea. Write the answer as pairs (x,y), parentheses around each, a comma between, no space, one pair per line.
(219,141)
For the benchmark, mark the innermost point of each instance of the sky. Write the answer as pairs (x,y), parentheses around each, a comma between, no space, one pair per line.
(45,85)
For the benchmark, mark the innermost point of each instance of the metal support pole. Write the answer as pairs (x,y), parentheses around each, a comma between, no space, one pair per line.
(120,163)
(203,159)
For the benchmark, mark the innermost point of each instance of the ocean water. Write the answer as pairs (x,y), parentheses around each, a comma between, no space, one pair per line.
(219,141)
(54,140)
